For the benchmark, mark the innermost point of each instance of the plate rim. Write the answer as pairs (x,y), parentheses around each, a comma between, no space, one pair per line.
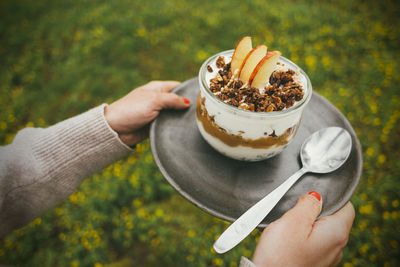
(219,215)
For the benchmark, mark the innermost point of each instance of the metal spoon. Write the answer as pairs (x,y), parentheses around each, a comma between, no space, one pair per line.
(322,152)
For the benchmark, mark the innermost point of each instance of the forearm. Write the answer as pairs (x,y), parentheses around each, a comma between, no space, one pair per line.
(44,166)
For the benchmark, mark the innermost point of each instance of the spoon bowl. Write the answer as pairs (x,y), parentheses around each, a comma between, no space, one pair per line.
(326,150)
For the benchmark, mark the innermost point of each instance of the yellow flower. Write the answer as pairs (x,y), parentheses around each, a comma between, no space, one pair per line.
(311,62)
(378,91)
(318,46)
(344,92)
(62,236)
(367,209)
(326,62)
(191,233)
(331,42)
(137,202)
(73,198)
(217,261)
(11,117)
(370,151)
(132,159)
(77,35)
(117,170)
(148,158)
(159,212)
(201,55)
(375,230)
(381,158)
(142,32)
(3,125)
(325,29)
(141,213)
(364,249)
(347,264)
(363,224)
(59,211)
(386,215)
(372,257)
(395,203)
(247,253)
(373,107)
(351,42)
(134,179)
(155,242)
(383,200)
(81,197)
(129,225)
(377,121)
(75,263)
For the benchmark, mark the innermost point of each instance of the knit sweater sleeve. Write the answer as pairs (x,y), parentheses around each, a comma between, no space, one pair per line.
(245,262)
(41,167)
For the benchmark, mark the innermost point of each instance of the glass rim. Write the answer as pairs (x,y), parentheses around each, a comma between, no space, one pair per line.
(300,104)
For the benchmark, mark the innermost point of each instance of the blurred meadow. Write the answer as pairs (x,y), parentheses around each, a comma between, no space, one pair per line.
(60,58)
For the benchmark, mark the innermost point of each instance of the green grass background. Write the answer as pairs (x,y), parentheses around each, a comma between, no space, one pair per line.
(60,58)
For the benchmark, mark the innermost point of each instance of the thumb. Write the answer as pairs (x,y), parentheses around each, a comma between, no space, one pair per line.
(171,100)
(303,215)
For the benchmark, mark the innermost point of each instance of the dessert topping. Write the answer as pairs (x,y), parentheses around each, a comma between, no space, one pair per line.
(281,92)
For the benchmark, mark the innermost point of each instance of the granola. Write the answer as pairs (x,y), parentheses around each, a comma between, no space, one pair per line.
(281,92)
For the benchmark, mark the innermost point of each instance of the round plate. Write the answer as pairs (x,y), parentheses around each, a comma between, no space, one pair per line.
(225,187)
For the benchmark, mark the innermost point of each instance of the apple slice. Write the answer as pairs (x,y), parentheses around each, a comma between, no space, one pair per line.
(242,49)
(251,60)
(261,73)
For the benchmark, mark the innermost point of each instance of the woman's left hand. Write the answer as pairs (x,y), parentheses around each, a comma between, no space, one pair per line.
(131,115)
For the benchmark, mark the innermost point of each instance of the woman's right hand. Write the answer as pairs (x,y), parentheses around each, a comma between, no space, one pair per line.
(297,239)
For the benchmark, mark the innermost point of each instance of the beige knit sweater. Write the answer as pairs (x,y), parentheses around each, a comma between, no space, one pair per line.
(41,167)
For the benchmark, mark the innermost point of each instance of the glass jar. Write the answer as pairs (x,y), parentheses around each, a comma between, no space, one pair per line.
(243,134)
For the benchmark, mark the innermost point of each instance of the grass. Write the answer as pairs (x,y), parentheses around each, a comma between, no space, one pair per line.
(60,58)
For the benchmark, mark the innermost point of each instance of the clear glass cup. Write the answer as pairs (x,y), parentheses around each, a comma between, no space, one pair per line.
(242,134)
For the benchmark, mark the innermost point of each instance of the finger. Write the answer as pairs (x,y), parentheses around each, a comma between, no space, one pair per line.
(135,137)
(162,86)
(171,100)
(338,259)
(303,215)
(335,228)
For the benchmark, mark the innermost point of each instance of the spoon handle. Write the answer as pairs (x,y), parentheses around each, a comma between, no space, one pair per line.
(249,220)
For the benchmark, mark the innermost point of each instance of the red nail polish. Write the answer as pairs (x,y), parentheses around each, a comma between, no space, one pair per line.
(187,101)
(315,194)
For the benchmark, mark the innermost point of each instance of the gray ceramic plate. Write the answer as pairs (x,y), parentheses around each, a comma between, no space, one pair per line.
(225,187)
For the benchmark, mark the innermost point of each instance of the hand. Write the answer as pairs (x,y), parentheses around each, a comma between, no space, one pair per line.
(296,239)
(131,115)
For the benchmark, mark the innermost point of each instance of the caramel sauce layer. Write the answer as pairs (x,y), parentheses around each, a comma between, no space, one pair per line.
(232,140)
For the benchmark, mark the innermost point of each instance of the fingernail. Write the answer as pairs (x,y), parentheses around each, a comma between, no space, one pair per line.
(315,194)
(187,101)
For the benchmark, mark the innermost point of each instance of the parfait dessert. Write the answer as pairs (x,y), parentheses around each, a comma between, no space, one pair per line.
(251,101)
